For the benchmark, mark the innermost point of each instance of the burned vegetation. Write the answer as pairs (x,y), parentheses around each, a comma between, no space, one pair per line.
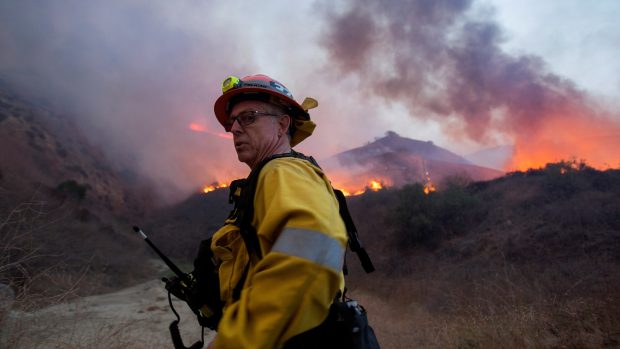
(530,259)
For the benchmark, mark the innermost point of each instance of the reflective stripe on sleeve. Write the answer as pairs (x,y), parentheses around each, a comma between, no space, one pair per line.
(311,245)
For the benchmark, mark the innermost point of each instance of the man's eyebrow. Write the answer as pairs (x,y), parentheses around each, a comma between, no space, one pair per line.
(255,112)
(241,112)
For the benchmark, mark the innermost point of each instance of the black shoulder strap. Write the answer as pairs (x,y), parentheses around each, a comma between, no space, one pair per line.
(354,242)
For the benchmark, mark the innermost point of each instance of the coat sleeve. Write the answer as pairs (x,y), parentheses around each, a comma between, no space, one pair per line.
(303,240)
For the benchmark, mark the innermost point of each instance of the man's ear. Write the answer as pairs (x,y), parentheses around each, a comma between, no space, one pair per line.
(284,123)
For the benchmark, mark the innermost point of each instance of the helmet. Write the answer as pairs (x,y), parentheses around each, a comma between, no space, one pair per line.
(263,88)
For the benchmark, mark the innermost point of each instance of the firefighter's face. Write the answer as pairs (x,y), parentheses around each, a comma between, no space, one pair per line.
(258,131)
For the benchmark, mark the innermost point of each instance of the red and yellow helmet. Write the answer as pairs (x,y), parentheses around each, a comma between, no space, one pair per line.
(264,88)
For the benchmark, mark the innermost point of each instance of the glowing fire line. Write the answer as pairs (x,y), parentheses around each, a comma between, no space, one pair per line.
(213,187)
(196,127)
(372,185)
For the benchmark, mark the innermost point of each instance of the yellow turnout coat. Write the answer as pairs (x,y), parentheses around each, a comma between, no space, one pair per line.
(302,239)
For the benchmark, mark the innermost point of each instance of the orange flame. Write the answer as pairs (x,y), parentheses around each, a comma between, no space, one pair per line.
(581,134)
(429,188)
(375,185)
(213,186)
(196,127)
(354,190)
(355,193)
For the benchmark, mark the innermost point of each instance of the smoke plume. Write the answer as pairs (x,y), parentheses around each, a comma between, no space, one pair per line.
(134,74)
(140,78)
(443,60)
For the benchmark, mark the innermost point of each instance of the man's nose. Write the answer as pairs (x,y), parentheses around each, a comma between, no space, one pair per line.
(236,127)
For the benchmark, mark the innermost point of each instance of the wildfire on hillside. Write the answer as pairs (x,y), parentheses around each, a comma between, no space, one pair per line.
(213,186)
(429,187)
(355,193)
(352,189)
(580,135)
(375,185)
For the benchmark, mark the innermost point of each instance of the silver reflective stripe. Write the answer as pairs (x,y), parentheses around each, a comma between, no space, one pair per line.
(311,245)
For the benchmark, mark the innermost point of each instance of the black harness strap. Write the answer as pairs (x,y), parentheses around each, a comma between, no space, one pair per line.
(354,242)
(175,334)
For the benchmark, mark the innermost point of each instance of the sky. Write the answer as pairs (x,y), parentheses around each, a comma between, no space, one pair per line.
(578,40)
(466,74)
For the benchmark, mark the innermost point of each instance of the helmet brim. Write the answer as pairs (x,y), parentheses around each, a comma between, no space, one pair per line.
(221,105)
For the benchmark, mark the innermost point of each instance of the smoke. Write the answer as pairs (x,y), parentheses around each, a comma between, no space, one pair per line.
(443,60)
(137,74)
(134,74)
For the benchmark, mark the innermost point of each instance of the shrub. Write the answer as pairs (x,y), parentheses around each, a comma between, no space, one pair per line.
(422,219)
(72,189)
(457,207)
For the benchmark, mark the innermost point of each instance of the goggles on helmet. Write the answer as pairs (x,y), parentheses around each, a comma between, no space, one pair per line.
(230,83)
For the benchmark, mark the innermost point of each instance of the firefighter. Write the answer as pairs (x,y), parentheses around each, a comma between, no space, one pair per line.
(279,286)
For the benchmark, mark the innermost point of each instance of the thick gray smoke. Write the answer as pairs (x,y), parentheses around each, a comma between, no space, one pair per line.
(136,73)
(133,73)
(442,59)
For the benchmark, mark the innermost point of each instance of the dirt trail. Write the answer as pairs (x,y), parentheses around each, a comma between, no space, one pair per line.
(136,317)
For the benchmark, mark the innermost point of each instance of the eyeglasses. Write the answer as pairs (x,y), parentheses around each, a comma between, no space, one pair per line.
(246,118)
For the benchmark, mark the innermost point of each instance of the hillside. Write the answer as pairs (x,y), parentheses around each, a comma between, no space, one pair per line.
(179,228)
(393,143)
(64,210)
(530,259)
(564,211)
(40,146)
(397,161)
